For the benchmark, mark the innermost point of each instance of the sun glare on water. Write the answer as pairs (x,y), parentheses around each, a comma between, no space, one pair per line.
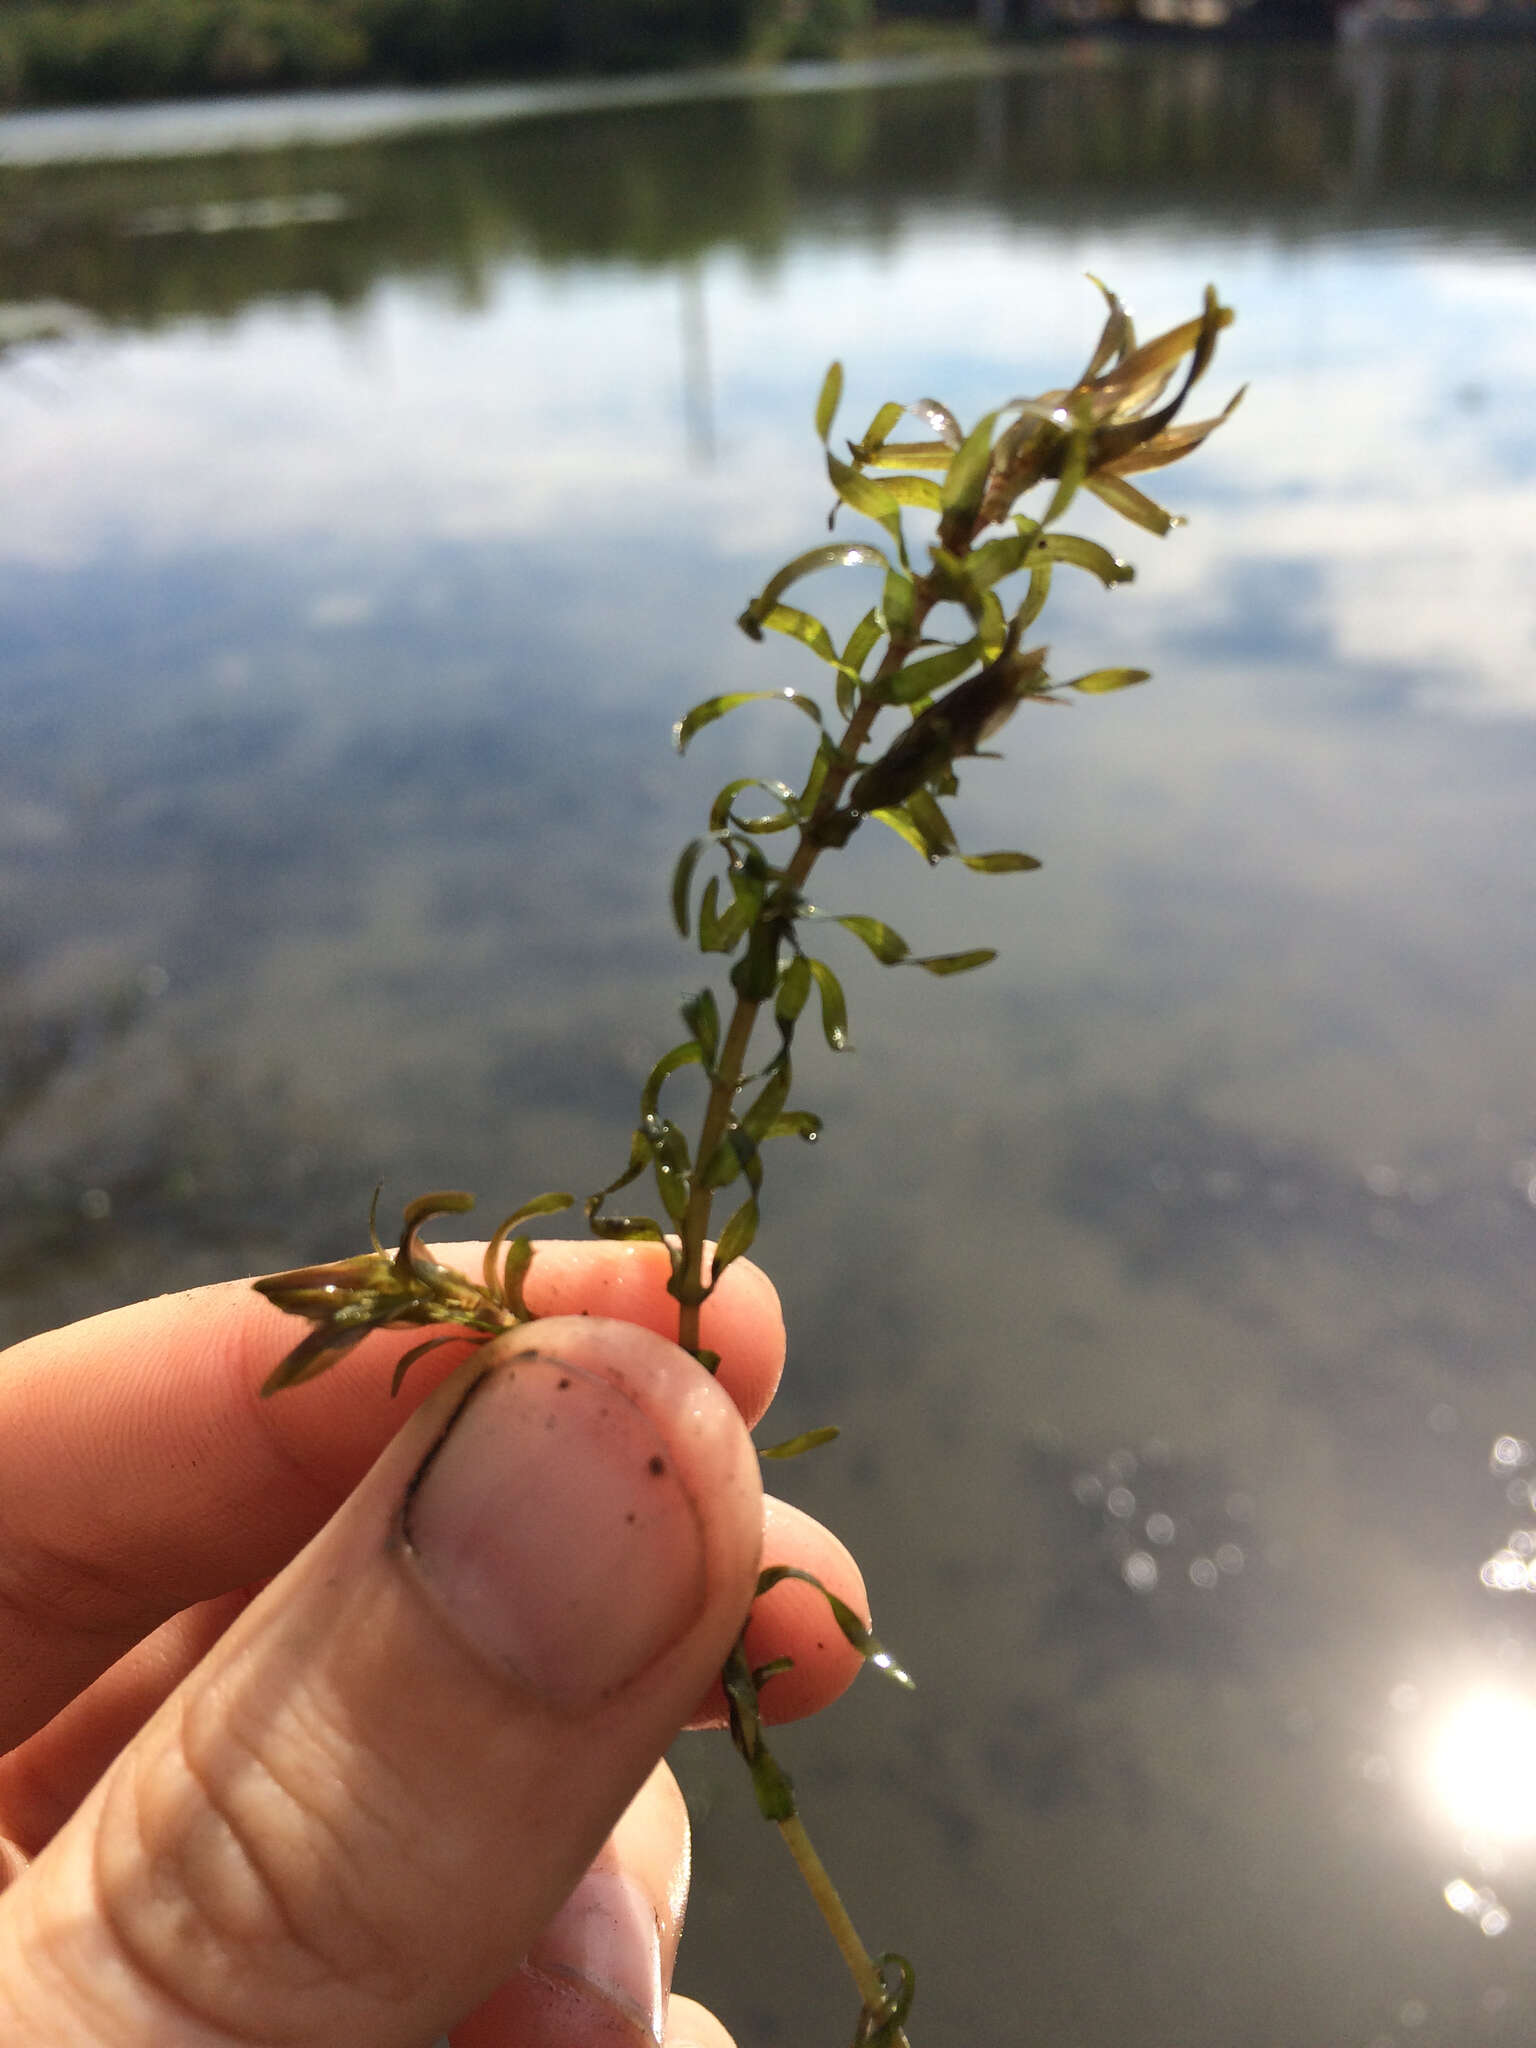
(1483,1767)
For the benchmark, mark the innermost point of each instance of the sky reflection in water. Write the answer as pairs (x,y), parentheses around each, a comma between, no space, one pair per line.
(347,599)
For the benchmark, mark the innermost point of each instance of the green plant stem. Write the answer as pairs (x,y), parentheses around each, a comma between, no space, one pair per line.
(732,1062)
(818,1883)
(729,1069)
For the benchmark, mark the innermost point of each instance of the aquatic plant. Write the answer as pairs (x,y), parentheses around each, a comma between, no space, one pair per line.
(737,902)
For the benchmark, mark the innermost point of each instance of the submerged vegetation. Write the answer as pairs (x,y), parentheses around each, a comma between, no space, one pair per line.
(934,703)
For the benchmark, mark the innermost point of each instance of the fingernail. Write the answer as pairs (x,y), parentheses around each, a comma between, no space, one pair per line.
(605,1939)
(550,1522)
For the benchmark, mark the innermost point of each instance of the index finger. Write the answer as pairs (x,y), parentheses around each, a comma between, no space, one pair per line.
(141,1472)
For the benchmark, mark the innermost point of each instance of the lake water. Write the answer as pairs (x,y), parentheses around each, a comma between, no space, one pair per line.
(368,512)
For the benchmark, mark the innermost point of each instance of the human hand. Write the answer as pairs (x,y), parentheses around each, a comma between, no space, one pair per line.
(316,1710)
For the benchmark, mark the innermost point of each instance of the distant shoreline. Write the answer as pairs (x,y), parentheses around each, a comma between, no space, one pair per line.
(241,125)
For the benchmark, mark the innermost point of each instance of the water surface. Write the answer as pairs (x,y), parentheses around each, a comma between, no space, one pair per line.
(368,514)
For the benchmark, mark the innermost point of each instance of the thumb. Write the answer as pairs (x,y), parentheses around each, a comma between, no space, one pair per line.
(351,1821)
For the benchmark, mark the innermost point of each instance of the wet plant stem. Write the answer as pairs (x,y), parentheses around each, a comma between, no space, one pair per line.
(727,1080)
(732,1063)
(829,1904)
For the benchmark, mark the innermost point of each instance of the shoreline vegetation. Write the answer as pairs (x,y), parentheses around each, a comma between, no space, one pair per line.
(57,53)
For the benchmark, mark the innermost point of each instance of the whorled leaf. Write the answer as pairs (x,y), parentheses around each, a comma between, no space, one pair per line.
(877,433)
(834,1006)
(1102,680)
(898,606)
(966,477)
(772,1786)
(919,679)
(828,400)
(1083,554)
(797,1446)
(682,885)
(830,555)
(850,1627)
(1132,504)
(721,816)
(888,946)
(689,1052)
(541,1205)
(863,494)
(717,707)
(953,963)
(701,1016)
(1000,863)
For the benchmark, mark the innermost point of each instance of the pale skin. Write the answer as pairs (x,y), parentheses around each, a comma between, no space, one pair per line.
(274,1771)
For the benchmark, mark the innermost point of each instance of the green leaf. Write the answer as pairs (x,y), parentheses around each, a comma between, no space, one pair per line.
(828,401)
(513,1273)
(991,626)
(702,1017)
(756,974)
(954,963)
(780,821)
(804,627)
(420,1351)
(770,1101)
(728,1159)
(865,635)
(923,809)
(837,554)
(627,1229)
(771,1785)
(919,679)
(719,930)
(722,931)
(1103,680)
(737,1236)
(1083,554)
(795,1123)
(808,1440)
(794,988)
(1074,463)
(624,1228)
(967,476)
(1039,591)
(912,455)
(446,1202)
(899,818)
(717,707)
(995,559)
(1000,863)
(1132,504)
(834,1007)
(689,1053)
(541,1205)
(669,1157)
(872,499)
(824,757)
(682,883)
(878,433)
(920,492)
(897,604)
(869,1647)
(888,946)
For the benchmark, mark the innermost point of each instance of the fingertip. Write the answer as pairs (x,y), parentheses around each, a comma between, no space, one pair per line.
(795,1620)
(691,2025)
(742,1320)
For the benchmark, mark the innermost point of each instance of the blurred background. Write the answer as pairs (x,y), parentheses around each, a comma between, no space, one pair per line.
(368,511)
